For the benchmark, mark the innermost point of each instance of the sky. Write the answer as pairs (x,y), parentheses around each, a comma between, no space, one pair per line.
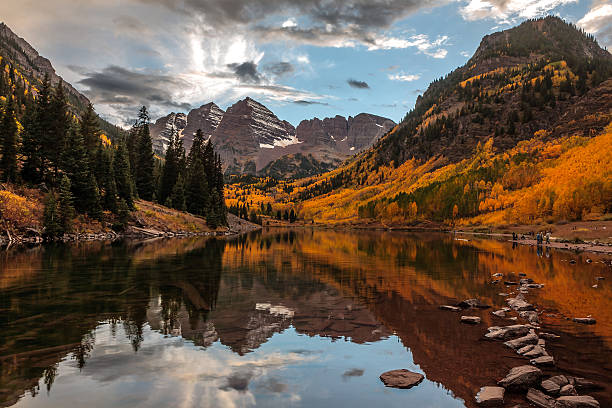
(302,59)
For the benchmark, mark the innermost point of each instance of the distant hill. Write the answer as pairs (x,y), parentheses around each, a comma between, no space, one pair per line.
(482,139)
(253,140)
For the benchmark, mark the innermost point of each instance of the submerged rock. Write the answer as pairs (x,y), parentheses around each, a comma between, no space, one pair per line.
(521,377)
(401,378)
(472,303)
(451,308)
(535,352)
(539,399)
(577,401)
(568,389)
(550,387)
(470,319)
(490,397)
(531,316)
(549,336)
(584,320)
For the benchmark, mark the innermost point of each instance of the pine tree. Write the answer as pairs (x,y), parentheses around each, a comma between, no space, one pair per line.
(36,127)
(178,195)
(170,171)
(122,174)
(65,207)
(53,143)
(90,130)
(75,163)
(145,159)
(8,140)
(196,190)
(51,222)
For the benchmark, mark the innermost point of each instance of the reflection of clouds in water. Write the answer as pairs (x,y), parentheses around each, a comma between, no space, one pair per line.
(173,370)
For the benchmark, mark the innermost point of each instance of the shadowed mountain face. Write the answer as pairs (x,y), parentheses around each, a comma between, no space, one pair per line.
(268,304)
(253,140)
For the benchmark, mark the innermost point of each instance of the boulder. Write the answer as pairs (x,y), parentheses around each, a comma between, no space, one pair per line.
(577,401)
(550,387)
(539,399)
(401,378)
(536,351)
(521,377)
(507,332)
(543,361)
(560,380)
(584,320)
(490,397)
(525,349)
(531,316)
(470,319)
(568,389)
(499,313)
(516,344)
(519,304)
(451,308)
(498,275)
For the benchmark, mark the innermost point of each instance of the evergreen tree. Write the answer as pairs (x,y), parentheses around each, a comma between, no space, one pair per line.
(54,138)
(122,174)
(65,206)
(8,140)
(75,163)
(51,219)
(90,130)
(178,195)
(170,171)
(196,190)
(145,159)
(37,125)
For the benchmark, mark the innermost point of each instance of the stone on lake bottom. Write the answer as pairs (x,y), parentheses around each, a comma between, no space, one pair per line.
(577,401)
(521,377)
(490,396)
(539,399)
(401,378)
(584,320)
(470,319)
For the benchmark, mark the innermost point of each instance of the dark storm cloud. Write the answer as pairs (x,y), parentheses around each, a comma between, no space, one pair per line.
(238,381)
(355,372)
(126,90)
(358,84)
(280,68)
(308,103)
(246,72)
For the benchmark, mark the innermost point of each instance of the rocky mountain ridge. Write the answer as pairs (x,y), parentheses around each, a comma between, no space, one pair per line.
(251,139)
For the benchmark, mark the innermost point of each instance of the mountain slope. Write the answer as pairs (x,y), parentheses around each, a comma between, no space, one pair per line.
(29,68)
(542,84)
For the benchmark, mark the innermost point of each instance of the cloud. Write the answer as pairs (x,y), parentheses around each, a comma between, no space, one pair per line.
(404,77)
(308,103)
(280,68)
(509,10)
(355,372)
(358,84)
(598,20)
(246,71)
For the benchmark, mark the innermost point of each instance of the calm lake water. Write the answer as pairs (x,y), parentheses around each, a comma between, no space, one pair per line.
(282,318)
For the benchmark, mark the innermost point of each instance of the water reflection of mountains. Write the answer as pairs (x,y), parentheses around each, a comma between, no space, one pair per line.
(361,287)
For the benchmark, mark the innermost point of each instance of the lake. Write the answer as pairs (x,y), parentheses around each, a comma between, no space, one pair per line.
(284,318)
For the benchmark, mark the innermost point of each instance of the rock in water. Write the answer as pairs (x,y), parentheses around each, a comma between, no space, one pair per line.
(521,377)
(551,387)
(451,308)
(568,389)
(401,378)
(582,384)
(584,320)
(470,319)
(490,397)
(499,313)
(539,399)
(577,401)
(472,303)
(543,361)
(516,344)
(507,332)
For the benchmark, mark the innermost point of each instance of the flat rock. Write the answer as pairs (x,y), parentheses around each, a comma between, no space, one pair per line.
(507,332)
(577,401)
(549,336)
(470,319)
(543,361)
(560,380)
(568,389)
(521,377)
(497,275)
(516,344)
(525,349)
(519,304)
(401,378)
(530,315)
(550,387)
(536,351)
(584,320)
(539,399)
(451,308)
(499,313)
(490,397)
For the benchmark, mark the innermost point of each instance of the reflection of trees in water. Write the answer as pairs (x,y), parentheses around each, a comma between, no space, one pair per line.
(79,285)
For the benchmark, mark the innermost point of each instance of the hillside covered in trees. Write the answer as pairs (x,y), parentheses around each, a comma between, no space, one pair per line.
(54,152)
(519,134)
